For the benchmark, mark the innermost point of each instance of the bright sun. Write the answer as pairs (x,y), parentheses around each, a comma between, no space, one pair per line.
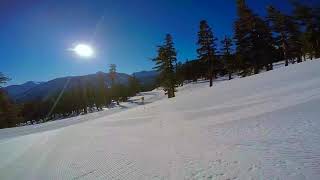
(83,50)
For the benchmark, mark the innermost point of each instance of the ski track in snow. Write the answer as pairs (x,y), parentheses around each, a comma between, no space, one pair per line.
(260,127)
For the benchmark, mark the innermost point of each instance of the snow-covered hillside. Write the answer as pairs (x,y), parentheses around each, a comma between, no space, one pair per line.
(260,127)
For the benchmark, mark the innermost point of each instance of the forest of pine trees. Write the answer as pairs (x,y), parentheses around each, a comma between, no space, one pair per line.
(257,43)
(81,98)
(9,115)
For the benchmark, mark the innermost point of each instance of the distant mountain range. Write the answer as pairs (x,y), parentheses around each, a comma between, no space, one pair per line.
(146,77)
(41,90)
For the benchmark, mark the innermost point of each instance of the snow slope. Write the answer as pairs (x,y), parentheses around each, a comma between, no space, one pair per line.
(51,125)
(260,127)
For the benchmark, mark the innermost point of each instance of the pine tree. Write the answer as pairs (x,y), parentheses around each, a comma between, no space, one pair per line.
(227,56)
(180,73)
(294,41)
(242,37)
(264,45)
(134,86)
(307,18)
(91,96)
(289,38)
(101,92)
(254,41)
(120,93)
(207,49)
(9,112)
(76,100)
(112,73)
(165,61)
(188,71)
(279,24)
(317,20)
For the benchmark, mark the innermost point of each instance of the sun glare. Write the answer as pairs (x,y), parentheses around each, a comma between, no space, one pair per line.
(83,50)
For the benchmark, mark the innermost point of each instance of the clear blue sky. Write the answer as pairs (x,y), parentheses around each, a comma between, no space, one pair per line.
(35,35)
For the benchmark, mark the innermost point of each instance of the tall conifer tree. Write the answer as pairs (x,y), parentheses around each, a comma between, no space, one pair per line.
(228,60)
(254,40)
(307,18)
(207,49)
(165,61)
(112,73)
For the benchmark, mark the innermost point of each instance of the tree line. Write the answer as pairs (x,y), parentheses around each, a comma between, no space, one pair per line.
(78,99)
(257,43)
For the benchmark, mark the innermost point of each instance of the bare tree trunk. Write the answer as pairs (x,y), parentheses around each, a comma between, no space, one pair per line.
(171,92)
(284,46)
(255,69)
(172,89)
(299,59)
(211,74)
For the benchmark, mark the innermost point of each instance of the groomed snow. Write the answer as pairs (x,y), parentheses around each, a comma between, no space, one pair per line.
(265,126)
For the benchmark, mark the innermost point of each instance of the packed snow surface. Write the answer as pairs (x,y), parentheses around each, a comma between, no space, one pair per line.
(265,126)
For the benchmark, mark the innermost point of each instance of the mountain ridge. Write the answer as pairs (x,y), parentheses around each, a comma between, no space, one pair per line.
(31,90)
